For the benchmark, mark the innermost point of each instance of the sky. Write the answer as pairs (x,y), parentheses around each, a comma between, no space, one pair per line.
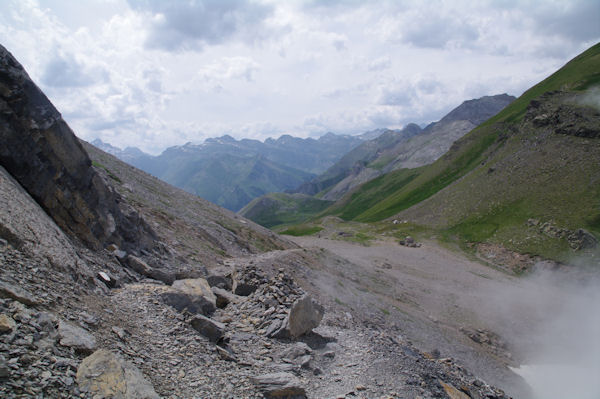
(157,73)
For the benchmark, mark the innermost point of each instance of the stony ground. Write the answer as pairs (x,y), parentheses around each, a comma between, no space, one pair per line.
(345,357)
(81,323)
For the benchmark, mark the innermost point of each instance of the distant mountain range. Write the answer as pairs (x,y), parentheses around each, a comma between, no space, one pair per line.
(410,147)
(232,172)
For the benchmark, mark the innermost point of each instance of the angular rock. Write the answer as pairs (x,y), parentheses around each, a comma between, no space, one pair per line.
(196,287)
(4,369)
(76,338)
(274,328)
(18,294)
(224,298)
(452,392)
(161,275)
(107,279)
(193,295)
(305,315)
(279,385)
(298,349)
(138,265)
(220,282)
(141,267)
(104,374)
(7,324)
(211,329)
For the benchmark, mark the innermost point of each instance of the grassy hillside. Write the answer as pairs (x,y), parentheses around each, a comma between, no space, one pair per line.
(467,153)
(232,181)
(506,171)
(278,209)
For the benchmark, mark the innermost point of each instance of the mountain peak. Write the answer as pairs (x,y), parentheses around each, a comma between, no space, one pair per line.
(480,109)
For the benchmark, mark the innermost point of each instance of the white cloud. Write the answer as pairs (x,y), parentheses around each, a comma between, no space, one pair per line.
(184,25)
(153,73)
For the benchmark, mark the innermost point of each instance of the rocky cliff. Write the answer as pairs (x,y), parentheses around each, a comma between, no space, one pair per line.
(41,152)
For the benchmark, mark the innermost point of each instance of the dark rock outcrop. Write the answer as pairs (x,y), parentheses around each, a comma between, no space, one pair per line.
(41,152)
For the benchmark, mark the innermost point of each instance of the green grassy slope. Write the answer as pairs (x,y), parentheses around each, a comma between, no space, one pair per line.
(231,181)
(509,169)
(467,152)
(278,209)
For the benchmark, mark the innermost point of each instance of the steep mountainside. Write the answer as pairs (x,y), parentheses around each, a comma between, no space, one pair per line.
(198,302)
(356,159)
(419,147)
(41,152)
(277,209)
(410,147)
(538,159)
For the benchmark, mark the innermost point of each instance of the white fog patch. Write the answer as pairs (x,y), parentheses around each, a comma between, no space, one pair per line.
(556,381)
(591,98)
(565,357)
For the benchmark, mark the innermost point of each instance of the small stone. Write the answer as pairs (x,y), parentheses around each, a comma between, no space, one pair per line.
(120,332)
(360,387)
(7,324)
(452,392)
(4,369)
(107,279)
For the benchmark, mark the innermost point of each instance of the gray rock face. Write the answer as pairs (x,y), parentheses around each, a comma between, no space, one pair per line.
(211,329)
(104,374)
(41,152)
(280,385)
(76,338)
(305,315)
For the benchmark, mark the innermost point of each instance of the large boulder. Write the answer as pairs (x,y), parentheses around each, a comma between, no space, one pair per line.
(305,315)
(106,375)
(193,295)
(41,152)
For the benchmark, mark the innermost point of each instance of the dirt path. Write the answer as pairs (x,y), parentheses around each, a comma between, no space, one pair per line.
(435,298)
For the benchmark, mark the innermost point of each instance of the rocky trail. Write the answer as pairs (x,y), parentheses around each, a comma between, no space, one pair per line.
(244,354)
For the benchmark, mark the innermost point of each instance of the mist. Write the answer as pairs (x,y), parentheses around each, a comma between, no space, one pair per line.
(551,321)
(591,98)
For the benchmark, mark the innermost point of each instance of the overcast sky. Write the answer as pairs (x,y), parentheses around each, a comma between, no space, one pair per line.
(157,73)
